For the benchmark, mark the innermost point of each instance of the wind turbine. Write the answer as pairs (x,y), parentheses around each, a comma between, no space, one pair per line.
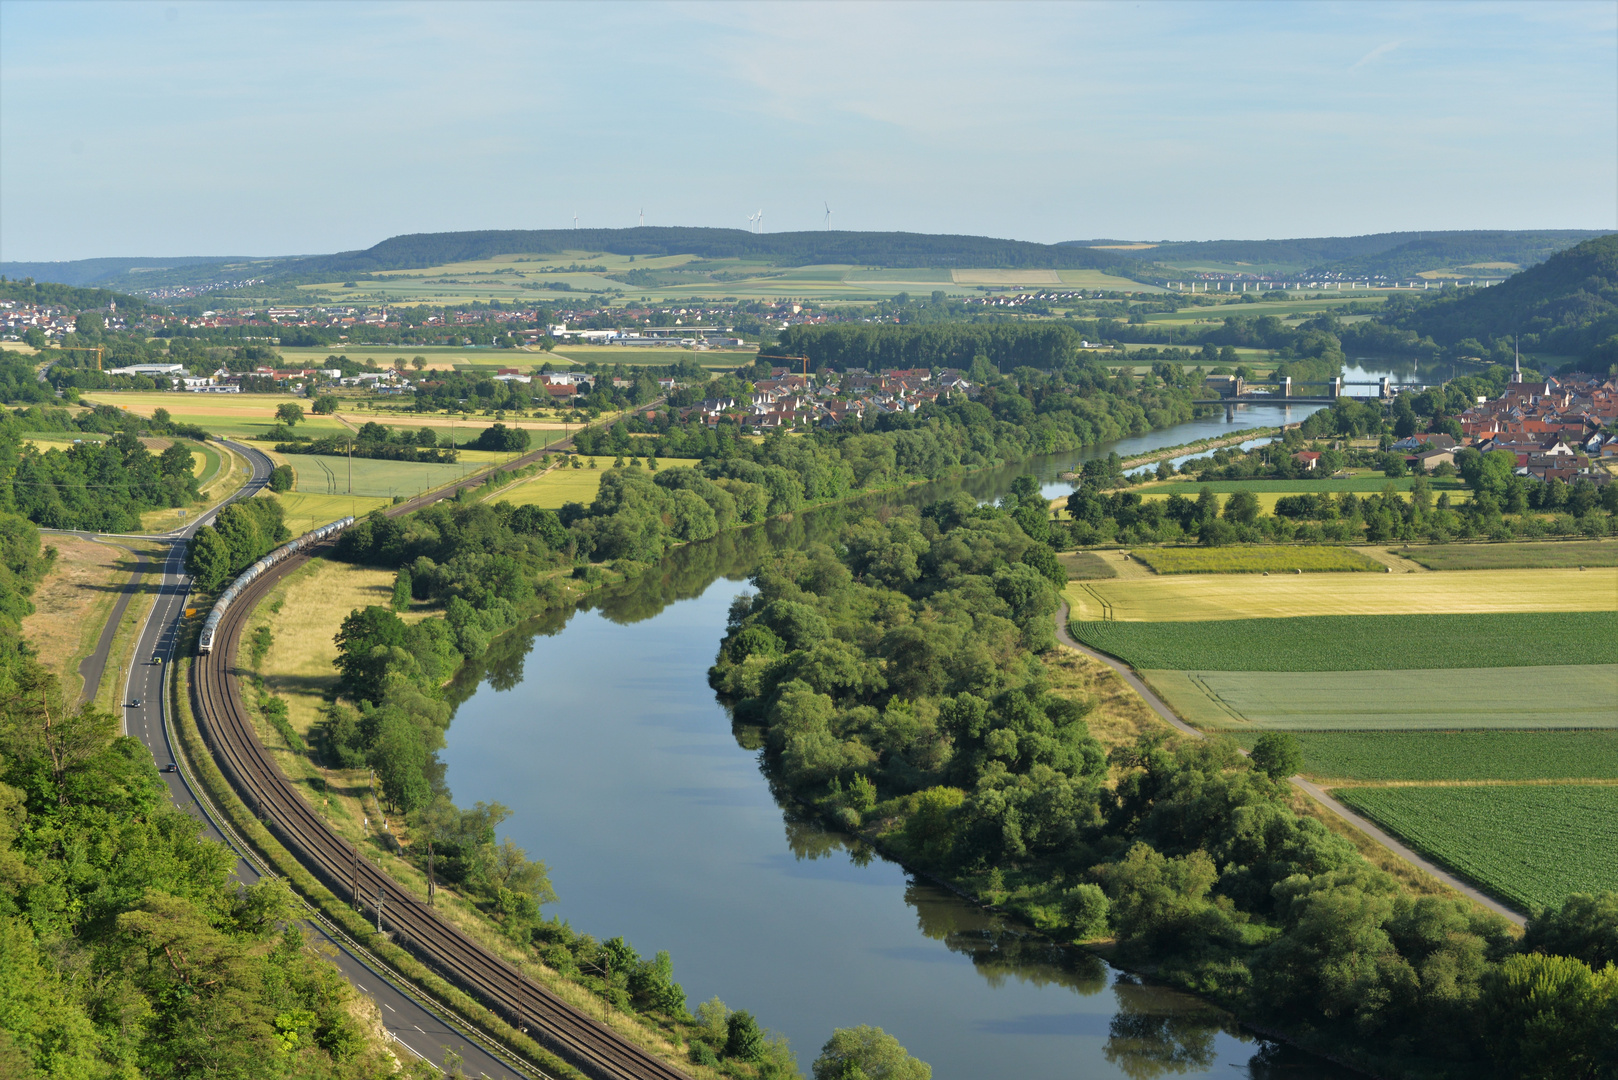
(643,217)
(761,221)
(575,219)
(828,217)
(751,219)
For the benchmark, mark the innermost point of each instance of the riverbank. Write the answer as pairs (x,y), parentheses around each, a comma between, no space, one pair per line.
(1197,447)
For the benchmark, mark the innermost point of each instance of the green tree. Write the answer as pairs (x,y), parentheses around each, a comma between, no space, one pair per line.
(281,478)
(208,559)
(289,413)
(324,404)
(1551,1018)
(1242,508)
(1276,754)
(867,1053)
(401,590)
(743,1039)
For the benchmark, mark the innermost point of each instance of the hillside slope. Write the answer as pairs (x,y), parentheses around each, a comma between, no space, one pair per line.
(1568,304)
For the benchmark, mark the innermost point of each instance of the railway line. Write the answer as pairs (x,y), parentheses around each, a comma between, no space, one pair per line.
(583,1042)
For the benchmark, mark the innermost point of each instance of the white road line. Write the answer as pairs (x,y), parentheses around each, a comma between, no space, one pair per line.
(388,1007)
(365,991)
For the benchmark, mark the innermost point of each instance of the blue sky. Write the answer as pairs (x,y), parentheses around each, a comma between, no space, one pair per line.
(181,128)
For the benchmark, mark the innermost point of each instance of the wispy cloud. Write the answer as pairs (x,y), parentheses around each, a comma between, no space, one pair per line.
(1375,54)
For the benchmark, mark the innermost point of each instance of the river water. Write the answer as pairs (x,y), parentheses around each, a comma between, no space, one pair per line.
(598,729)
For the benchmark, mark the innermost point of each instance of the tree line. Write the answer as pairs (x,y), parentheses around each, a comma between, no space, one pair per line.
(896,683)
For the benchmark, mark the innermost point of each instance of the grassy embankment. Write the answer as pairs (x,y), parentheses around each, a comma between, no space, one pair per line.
(73,603)
(1453,707)
(1251,560)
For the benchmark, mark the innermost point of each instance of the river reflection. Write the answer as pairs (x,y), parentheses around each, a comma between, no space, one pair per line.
(627,776)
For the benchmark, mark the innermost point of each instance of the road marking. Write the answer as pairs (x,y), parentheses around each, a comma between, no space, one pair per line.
(418,1029)
(365,991)
(390,1008)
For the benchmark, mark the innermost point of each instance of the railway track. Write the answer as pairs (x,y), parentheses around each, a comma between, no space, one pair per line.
(587,1044)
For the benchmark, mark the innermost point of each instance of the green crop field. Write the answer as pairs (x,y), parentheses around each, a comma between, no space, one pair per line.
(1529,844)
(319,474)
(1499,697)
(549,490)
(1561,553)
(1195,597)
(1362,642)
(1253,560)
(1457,755)
(1360,484)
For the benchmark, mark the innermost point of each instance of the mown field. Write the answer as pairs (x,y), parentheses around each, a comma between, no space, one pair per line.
(1253,559)
(305,512)
(236,415)
(1551,554)
(564,484)
(1085,566)
(1500,697)
(1362,642)
(1228,596)
(1332,756)
(1530,844)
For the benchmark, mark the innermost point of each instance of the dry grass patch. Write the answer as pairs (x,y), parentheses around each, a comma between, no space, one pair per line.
(72,604)
(1120,716)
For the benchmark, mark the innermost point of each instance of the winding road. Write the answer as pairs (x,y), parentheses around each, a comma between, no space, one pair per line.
(1314,791)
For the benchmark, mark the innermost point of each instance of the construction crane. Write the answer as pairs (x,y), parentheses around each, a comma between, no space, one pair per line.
(97,349)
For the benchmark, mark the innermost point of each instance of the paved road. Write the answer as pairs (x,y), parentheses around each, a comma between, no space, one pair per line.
(419,1030)
(92,667)
(1313,791)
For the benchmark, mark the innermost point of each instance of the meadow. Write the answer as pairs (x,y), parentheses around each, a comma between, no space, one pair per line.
(1457,755)
(1530,844)
(235,415)
(564,484)
(1362,642)
(1228,596)
(1253,559)
(1500,697)
(1552,554)
(1085,566)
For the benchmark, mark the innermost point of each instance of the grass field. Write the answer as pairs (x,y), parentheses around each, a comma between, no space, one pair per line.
(1502,697)
(1253,559)
(1361,642)
(72,604)
(1085,566)
(236,415)
(1552,554)
(549,490)
(1224,596)
(313,603)
(320,474)
(305,512)
(1529,844)
(1459,755)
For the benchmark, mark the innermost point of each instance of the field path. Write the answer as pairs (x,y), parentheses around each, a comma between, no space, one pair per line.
(1313,791)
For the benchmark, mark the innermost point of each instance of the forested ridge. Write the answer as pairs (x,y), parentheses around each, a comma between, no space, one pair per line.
(895,682)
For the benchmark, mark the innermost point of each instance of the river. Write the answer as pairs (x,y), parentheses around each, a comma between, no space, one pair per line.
(598,729)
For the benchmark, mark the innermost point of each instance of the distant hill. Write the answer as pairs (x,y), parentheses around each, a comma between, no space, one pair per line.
(1395,255)
(879,249)
(126,273)
(72,297)
(1568,304)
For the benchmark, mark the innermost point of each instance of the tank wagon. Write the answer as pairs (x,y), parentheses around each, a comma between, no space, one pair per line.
(248,576)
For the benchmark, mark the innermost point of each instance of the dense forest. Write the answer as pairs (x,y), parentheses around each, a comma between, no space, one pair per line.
(126,949)
(1567,305)
(103,484)
(895,682)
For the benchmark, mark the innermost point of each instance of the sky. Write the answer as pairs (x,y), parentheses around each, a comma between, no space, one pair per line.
(176,128)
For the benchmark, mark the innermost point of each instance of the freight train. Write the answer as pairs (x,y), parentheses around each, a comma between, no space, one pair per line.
(248,576)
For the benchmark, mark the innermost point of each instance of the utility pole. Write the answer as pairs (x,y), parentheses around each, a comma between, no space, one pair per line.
(356,875)
(351,466)
(381,898)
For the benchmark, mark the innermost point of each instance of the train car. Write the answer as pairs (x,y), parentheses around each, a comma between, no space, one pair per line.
(247,577)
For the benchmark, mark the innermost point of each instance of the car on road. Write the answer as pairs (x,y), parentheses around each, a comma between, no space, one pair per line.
(171,767)
(134,703)
(156,659)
